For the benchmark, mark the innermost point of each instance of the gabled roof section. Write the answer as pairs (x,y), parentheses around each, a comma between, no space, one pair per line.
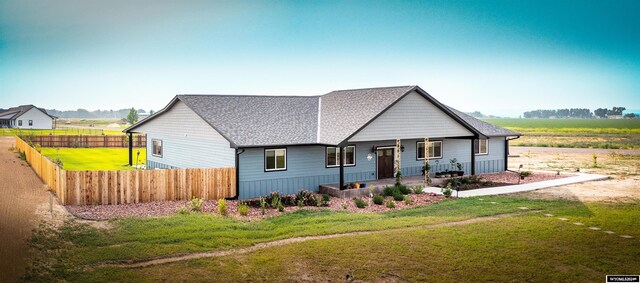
(483,127)
(344,112)
(330,119)
(15,112)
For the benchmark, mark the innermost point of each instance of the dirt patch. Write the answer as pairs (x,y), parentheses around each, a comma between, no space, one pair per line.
(163,208)
(622,165)
(23,203)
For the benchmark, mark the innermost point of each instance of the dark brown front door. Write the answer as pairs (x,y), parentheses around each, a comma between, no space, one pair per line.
(385,163)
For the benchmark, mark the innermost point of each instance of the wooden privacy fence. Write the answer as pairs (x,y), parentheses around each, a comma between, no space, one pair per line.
(121,187)
(87,141)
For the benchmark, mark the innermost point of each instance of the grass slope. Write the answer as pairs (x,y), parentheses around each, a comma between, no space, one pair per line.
(94,158)
(77,245)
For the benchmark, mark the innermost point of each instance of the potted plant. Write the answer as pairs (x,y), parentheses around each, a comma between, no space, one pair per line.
(363,185)
(452,164)
(356,185)
(460,171)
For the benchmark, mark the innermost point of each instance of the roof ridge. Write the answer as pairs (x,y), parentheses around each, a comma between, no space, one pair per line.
(247,95)
(368,88)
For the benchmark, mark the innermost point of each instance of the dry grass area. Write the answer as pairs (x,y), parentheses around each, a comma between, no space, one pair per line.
(623,166)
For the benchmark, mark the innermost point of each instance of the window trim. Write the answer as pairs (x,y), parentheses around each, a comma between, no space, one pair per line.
(326,160)
(481,153)
(153,153)
(30,123)
(20,123)
(286,156)
(431,157)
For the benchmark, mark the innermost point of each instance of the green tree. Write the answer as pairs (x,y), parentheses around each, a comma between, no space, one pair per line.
(132,117)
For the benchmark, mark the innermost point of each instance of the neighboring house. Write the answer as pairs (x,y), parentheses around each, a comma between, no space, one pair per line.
(286,143)
(26,117)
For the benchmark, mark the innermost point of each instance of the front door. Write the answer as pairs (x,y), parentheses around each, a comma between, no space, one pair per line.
(385,163)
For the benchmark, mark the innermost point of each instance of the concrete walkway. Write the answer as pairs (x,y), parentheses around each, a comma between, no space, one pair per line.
(581,177)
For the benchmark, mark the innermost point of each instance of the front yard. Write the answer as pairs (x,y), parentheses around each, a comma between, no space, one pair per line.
(95,158)
(528,244)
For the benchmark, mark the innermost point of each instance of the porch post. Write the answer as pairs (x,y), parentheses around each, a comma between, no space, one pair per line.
(473,157)
(130,149)
(341,167)
(506,154)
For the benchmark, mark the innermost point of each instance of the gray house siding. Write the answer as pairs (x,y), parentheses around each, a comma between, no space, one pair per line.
(411,117)
(187,141)
(306,165)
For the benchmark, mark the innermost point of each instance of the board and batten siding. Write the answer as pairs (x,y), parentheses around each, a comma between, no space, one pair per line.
(40,120)
(306,165)
(187,141)
(410,118)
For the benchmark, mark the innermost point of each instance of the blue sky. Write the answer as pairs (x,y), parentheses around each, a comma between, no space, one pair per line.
(498,57)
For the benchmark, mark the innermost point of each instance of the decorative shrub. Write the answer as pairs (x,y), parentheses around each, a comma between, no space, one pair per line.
(398,196)
(525,174)
(418,189)
(388,191)
(273,199)
(345,205)
(360,203)
(407,200)
(307,198)
(398,178)
(320,202)
(222,207)
(300,203)
(326,197)
(403,189)
(196,204)
(447,191)
(243,209)
(391,204)
(378,199)
(280,206)
(263,205)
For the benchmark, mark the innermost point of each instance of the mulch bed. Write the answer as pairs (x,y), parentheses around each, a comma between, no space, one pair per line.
(162,208)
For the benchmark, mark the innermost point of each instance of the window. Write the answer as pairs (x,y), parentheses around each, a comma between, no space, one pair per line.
(435,150)
(157,148)
(19,122)
(481,146)
(333,156)
(275,159)
(30,122)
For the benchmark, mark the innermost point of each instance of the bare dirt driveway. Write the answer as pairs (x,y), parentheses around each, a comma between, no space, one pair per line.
(623,166)
(23,202)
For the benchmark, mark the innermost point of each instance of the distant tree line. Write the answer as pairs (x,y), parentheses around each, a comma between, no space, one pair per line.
(96,114)
(576,113)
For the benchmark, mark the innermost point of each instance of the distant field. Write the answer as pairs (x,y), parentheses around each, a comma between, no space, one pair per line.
(579,133)
(95,158)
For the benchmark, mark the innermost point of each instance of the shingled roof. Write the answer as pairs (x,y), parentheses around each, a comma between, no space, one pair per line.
(330,119)
(15,112)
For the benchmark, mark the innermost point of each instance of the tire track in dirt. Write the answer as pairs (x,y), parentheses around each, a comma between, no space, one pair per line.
(21,194)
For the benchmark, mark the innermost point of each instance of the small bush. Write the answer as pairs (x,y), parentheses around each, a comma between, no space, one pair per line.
(22,155)
(321,202)
(378,199)
(243,209)
(222,207)
(263,205)
(345,205)
(360,203)
(525,174)
(183,210)
(447,191)
(391,204)
(418,190)
(280,206)
(300,203)
(273,199)
(398,196)
(306,197)
(326,197)
(196,204)
(403,189)
(407,200)
(388,191)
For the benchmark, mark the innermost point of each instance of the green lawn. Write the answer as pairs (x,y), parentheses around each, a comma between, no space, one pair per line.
(95,158)
(60,132)
(531,245)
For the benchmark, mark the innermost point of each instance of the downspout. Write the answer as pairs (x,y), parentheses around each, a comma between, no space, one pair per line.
(130,149)
(506,152)
(238,152)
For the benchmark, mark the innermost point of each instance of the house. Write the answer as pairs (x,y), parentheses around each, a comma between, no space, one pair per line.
(26,117)
(285,143)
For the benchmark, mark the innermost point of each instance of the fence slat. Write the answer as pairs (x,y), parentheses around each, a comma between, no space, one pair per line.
(118,187)
(87,141)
